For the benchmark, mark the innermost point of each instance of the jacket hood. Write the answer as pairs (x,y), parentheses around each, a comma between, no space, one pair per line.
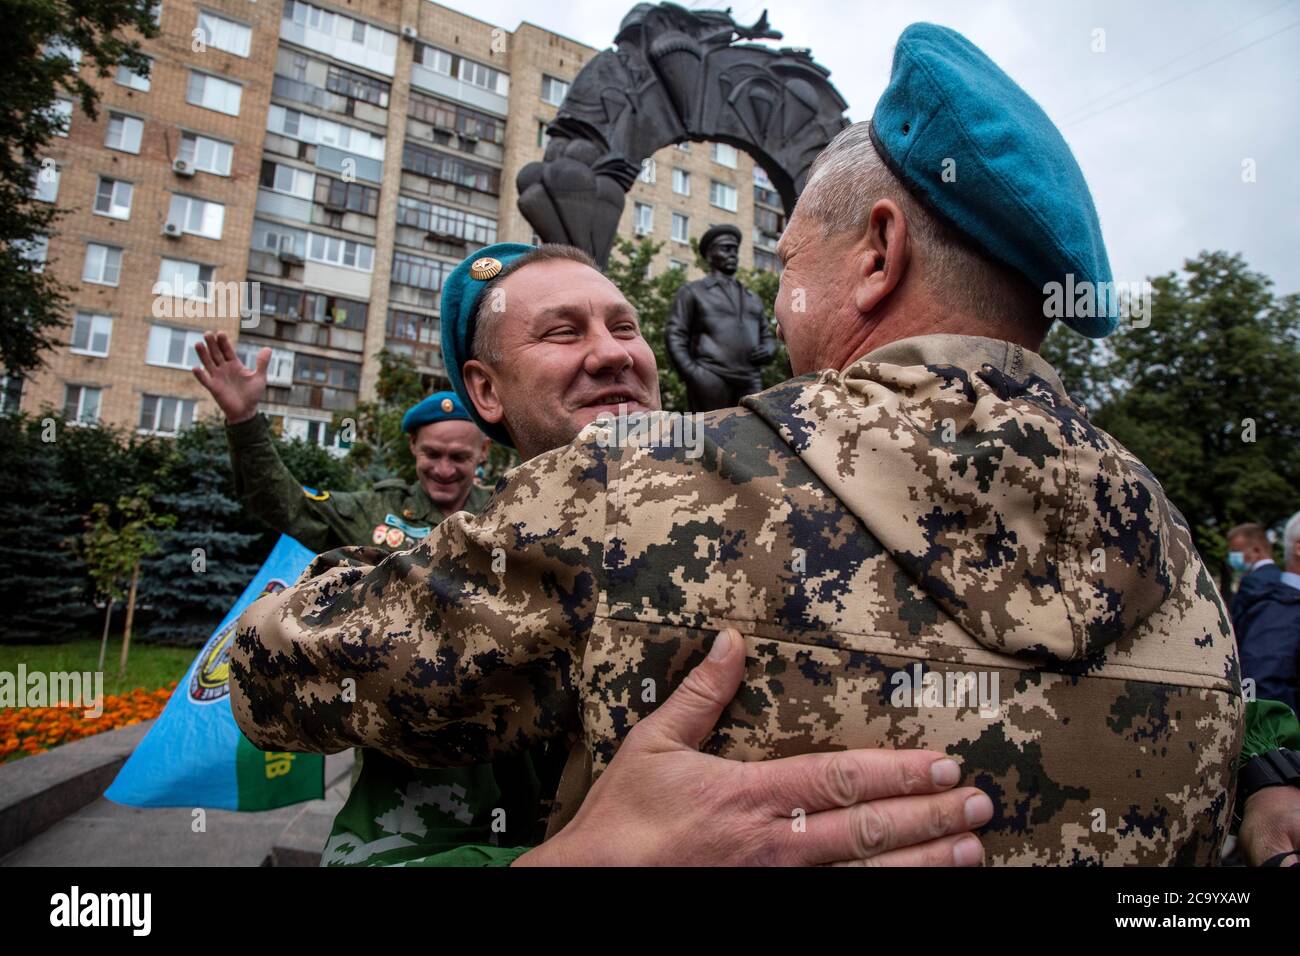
(1037,532)
(1256,589)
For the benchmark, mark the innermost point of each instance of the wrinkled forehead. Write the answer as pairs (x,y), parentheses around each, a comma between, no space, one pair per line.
(560,287)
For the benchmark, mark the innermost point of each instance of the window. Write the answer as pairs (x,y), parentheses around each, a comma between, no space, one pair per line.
(643,219)
(315,370)
(453,118)
(553,90)
(722,195)
(355,85)
(313,129)
(279,371)
(418,272)
(34,251)
(445,221)
(647,174)
(189,280)
(81,404)
(45,181)
(103,264)
(677,263)
(273,237)
(213,93)
(450,169)
(91,334)
(681,182)
(468,71)
(63,48)
(724,155)
(223,34)
(339,36)
(124,133)
(681,227)
(61,115)
(287,179)
(543,137)
(341,252)
(207,155)
(173,348)
(165,415)
(353,197)
(197,216)
(133,80)
(113,198)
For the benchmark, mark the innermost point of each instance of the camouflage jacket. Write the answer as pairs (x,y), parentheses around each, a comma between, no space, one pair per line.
(938,517)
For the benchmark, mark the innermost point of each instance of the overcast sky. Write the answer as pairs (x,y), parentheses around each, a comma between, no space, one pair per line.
(1163,151)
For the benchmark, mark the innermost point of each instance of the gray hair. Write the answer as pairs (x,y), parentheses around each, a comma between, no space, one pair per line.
(844,183)
(1291,535)
(486,347)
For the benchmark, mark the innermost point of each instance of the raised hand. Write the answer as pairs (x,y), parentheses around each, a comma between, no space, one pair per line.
(236,389)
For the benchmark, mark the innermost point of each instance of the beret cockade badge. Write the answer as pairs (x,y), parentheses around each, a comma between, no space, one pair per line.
(447,405)
(485,268)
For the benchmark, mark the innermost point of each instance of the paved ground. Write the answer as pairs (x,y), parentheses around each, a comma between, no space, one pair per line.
(103,833)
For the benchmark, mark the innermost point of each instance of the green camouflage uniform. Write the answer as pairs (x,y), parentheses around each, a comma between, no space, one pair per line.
(940,508)
(395,813)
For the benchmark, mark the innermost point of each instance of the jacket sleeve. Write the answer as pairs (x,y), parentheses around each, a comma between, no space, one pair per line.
(677,330)
(465,647)
(1271,653)
(268,490)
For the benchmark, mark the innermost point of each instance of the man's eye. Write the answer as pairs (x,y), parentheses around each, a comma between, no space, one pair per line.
(562,330)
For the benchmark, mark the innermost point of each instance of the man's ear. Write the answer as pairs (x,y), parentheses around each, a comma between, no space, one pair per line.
(484,392)
(881,255)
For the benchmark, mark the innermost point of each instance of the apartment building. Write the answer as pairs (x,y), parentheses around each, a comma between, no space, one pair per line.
(339,159)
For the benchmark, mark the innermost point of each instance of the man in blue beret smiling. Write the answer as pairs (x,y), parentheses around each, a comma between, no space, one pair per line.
(921,539)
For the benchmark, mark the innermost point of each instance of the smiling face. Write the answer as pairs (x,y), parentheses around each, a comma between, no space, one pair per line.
(568,349)
(446,456)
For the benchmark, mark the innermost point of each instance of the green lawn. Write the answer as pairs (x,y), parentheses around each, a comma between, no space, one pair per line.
(149,665)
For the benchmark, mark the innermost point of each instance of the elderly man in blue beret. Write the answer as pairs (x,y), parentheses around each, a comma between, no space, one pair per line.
(919,541)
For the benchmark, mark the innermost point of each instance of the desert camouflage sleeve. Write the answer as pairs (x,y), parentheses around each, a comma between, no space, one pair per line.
(462,648)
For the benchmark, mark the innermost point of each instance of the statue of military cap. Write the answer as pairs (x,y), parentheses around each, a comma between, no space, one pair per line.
(461,292)
(714,233)
(1018,194)
(438,407)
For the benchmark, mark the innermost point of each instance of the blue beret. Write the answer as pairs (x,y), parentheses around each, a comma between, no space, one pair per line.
(460,294)
(1018,193)
(438,407)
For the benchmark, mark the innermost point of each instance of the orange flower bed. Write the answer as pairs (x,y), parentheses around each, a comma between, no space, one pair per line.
(29,730)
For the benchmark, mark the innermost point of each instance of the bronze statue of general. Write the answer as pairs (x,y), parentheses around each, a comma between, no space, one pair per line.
(718,336)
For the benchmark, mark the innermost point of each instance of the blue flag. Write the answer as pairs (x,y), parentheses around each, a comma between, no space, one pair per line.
(195,755)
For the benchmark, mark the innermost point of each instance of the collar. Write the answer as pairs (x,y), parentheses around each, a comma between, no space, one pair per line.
(1291,578)
(1260,563)
(968,352)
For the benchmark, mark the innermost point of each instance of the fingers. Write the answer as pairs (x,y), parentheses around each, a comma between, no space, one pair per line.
(825,781)
(263,360)
(227,347)
(215,357)
(964,849)
(202,375)
(688,715)
(205,355)
(869,830)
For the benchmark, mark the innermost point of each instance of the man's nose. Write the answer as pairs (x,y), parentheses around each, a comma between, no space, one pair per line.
(606,354)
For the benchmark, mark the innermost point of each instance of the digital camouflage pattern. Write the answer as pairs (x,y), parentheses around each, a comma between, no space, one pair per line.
(395,814)
(938,505)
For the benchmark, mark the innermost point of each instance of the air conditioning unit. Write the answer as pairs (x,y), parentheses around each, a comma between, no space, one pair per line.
(290,257)
(409,32)
(173,229)
(182,168)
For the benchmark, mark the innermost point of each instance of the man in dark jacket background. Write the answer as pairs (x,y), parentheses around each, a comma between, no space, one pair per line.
(1268,625)
(1249,550)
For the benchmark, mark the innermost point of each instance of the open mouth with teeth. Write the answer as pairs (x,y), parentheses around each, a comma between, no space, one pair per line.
(612,401)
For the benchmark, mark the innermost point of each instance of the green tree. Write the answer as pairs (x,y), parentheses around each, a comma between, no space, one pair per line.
(766,285)
(1081,362)
(205,557)
(34,68)
(117,541)
(381,449)
(1205,396)
(43,585)
(652,297)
